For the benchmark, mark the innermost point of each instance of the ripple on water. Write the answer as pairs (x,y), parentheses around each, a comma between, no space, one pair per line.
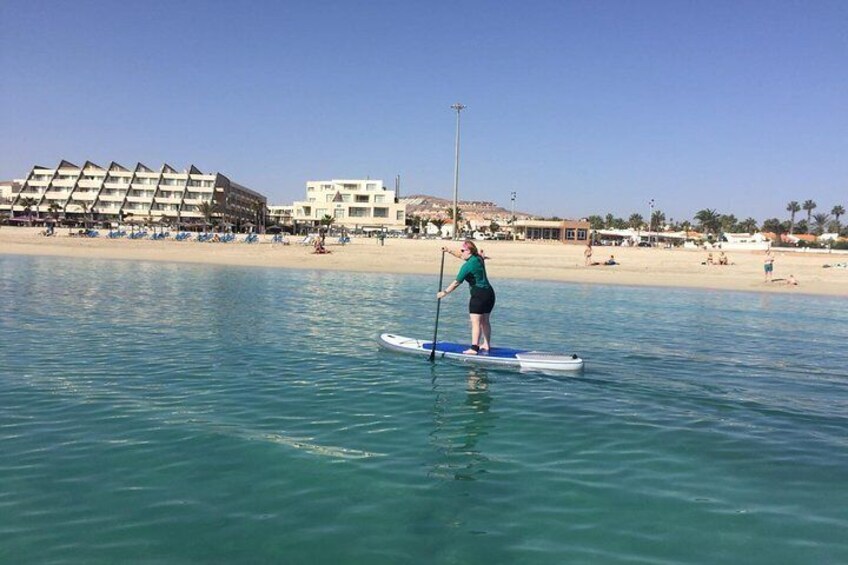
(145,405)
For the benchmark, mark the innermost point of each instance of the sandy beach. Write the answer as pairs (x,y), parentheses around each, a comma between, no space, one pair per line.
(549,261)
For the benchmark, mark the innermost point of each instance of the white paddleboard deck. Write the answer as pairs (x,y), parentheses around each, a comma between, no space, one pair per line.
(522,359)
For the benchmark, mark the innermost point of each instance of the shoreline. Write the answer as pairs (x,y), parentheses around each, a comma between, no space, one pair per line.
(539,261)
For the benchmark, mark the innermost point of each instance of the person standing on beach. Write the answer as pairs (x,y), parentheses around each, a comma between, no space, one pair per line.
(587,253)
(482,300)
(768,265)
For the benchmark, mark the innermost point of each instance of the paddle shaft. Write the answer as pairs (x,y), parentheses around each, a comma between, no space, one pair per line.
(438,307)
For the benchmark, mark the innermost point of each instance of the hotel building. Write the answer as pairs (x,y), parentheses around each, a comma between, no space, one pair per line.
(114,193)
(354,204)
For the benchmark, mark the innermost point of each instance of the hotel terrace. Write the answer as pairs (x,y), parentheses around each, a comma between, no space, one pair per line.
(117,194)
(364,205)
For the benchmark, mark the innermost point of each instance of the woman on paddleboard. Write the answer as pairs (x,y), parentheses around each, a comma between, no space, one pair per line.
(482,295)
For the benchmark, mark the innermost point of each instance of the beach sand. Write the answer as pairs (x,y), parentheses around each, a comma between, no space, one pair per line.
(549,261)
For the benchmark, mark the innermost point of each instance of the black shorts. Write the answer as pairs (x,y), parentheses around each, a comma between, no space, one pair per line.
(482,300)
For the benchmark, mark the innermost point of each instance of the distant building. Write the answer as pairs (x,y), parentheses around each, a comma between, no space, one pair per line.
(566,231)
(280,215)
(7,189)
(364,205)
(116,193)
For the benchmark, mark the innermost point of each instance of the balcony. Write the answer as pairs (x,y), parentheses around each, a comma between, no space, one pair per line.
(140,199)
(111,197)
(85,183)
(57,194)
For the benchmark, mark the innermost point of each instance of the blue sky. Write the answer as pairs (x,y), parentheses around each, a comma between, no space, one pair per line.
(580,107)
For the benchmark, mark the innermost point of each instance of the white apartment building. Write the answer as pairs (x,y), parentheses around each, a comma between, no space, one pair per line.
(354,204)
(116,193)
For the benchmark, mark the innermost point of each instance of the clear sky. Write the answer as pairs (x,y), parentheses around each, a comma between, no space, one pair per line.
(580,107)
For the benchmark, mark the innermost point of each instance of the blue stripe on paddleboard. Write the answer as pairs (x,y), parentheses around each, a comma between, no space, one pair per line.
(499,352)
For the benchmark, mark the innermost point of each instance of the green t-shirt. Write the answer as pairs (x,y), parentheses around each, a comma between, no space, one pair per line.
(474,272)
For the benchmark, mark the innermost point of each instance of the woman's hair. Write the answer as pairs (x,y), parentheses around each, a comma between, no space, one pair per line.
(468,244)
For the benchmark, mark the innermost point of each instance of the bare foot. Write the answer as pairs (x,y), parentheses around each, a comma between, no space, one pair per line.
(471,351)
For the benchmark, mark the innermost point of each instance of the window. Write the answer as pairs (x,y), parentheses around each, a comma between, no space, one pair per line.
(399,215)
(358,212)
(569,233)
(350,186)
(581,234)
(362,198)
(371,186)
(381,212)
(379,198)
(338,213)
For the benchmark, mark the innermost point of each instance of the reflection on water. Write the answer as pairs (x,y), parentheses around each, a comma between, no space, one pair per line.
(461,420)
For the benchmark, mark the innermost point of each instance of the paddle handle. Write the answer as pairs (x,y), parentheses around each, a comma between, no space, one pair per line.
(438,307)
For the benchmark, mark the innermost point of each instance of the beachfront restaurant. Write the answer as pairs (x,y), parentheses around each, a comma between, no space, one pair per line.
(566,231)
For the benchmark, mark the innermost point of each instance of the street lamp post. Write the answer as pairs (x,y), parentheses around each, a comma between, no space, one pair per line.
(459,108)
(650,220)
(512,220)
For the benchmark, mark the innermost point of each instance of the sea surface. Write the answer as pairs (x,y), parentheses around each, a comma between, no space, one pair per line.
(171,413)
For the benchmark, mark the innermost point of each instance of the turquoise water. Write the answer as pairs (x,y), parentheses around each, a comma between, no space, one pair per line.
(169,413)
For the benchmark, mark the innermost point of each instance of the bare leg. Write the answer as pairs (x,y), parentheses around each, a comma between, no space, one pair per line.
(486,332)
(475,334)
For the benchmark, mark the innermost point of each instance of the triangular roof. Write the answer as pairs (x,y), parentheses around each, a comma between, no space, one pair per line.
(338,197)
(66,165)
(113,166)
(90,165)
(143,169)
(166,168)
(194,171)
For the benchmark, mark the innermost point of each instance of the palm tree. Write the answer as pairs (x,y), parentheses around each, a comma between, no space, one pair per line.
(792,208)
(728,223)
(709,220)
(609,219)
(259,215)
(28,203)
(439,223)
(657,220)
(837,211)
(596,222)
(83,205)
(635,221)
(458,214)
(809,206)
(327,221)
(207,209)
(749,225)
(821,222)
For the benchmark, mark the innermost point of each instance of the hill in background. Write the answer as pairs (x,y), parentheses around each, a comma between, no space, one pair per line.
(426,206)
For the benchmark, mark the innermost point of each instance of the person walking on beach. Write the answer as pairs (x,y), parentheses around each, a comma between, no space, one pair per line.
(482,300)
(587,253)
(768,265)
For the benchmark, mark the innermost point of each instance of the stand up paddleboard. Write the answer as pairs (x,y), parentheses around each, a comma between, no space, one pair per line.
(522,359)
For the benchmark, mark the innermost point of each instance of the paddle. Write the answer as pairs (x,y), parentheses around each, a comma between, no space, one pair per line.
(438,307)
